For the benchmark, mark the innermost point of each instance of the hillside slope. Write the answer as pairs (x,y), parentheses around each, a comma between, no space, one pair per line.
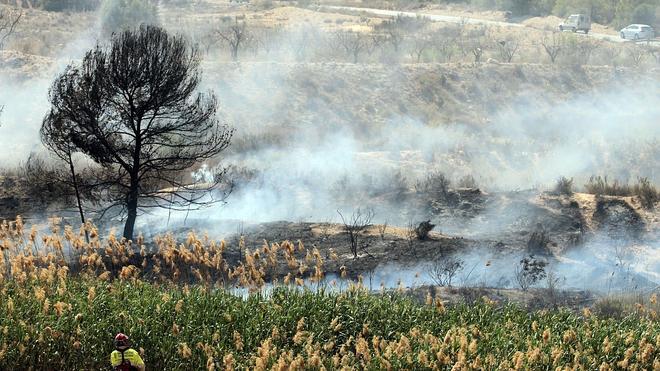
(366,97)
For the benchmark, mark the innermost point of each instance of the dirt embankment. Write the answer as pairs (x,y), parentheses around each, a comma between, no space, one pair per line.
(361,95)
(46,33)
(17,66)
(367,97)
(371,94)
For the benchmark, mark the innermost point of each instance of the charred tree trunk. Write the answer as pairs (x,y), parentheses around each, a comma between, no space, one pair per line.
(74,179)
(134,185)
(131,206)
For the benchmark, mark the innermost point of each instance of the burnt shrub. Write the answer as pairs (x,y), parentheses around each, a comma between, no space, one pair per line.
(423,229)
(44,181)
(564,186)
(646,192)
(530,271)
(600,185)
(435,183)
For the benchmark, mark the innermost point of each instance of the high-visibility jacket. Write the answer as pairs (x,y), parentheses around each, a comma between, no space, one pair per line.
(127,360)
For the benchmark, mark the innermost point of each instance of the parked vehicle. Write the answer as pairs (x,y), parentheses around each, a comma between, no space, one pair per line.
(575,23)
(638,32)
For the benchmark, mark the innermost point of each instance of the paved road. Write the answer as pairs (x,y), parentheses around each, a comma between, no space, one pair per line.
(455,19)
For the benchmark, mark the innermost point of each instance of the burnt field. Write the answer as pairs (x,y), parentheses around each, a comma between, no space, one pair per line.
(298,185)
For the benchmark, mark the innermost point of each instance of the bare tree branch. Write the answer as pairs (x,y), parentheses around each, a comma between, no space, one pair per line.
(355,225)
(508,49)
(9,19)
(236,36)
(354,44)
(553,45)
(443,271)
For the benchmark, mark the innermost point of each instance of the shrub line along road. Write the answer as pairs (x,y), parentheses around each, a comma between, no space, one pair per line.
(455,19)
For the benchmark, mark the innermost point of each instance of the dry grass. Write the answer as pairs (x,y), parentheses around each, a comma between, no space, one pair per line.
(47,33)
(620,305)
(165,260)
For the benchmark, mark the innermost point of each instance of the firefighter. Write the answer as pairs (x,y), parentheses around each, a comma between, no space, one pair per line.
(125,358)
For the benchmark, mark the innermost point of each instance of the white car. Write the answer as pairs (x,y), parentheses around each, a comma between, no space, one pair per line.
(638,32)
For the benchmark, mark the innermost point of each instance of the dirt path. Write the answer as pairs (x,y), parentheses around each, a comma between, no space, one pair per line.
(456,19)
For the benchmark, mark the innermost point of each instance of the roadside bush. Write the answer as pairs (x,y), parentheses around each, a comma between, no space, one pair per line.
(518,7)
(118,15)
(600,11)
(627,12)
(616,13)
(645,14)
(607,12)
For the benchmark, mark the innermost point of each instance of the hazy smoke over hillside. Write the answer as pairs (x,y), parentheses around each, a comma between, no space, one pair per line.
(23,103)
(523,147)
(25,98)
(526,143)
(304,166)
(593,267)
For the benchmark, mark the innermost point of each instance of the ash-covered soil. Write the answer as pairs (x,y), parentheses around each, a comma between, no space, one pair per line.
(481,228)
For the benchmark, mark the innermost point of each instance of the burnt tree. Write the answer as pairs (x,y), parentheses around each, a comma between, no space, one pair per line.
(355,225)
(133,108)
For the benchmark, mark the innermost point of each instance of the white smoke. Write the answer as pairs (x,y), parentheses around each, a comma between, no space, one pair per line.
(315,147)
(602,266)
